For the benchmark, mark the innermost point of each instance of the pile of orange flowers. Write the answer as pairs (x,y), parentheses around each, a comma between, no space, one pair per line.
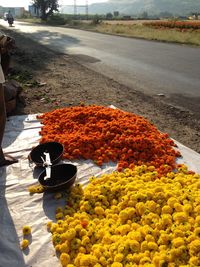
(104,134)
(174,24)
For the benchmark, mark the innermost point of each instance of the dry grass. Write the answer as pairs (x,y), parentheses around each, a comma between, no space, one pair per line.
(138,30)
(127,22)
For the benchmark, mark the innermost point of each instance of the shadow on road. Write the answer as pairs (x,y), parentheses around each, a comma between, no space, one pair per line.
(30,57)
(38,57)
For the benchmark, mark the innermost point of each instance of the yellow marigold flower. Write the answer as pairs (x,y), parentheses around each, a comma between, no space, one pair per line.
(56,239)
(136,235)
(144,246)
(157,260)
(145,260)
(64,259)
(178,233)
(107,239)
(171,201)
(164,239)
(85,241)
(83,232)
(24,244)
(36,189)
(140,207)
(117,264)
(167,210)
(187,208)
(124,215)
(99,210)
(197,231)
(177,242)
(64,248)
(49,225)
(195,246)
(137,257)
(149,238)
(71,233)
(151,168)
(166,219)
(78,228)
(197,220)
(118,257)
(97,253)
(64,236)
(88,260)
(176,252)
(53,227)
(26,230)
(197,209)
(180,217)
(131,212)
(194,261)
(178,207)
(152,246)
(57,248)
(57,195)
(191,238)
(82,250)
(124,229)
(151,205)
(59,209)
(103,261)
(59,216)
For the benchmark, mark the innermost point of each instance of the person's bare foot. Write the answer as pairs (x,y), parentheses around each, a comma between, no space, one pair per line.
(8,160)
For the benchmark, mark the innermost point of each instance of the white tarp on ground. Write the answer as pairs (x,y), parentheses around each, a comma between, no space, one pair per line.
(19,208)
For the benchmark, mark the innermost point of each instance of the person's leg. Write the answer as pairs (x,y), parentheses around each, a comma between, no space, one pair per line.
(4,158)
(2,119)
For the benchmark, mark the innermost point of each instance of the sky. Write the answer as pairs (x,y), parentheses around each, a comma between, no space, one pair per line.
(25,3)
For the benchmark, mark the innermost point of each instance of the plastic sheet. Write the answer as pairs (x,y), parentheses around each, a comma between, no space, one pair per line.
(19,208)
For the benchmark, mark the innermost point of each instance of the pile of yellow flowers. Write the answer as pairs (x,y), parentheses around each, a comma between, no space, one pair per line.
(131,219)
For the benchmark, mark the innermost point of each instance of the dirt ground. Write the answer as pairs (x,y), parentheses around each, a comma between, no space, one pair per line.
(53,80)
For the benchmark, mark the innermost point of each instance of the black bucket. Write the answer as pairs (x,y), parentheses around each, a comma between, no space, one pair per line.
(62,177)
(55,150)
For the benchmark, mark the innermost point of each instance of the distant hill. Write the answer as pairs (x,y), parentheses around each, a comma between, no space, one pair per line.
(135,7)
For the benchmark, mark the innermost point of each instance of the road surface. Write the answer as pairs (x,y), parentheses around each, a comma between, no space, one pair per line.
(151,67)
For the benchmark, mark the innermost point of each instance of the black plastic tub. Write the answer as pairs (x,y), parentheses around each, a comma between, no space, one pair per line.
(62,177)
(55,150)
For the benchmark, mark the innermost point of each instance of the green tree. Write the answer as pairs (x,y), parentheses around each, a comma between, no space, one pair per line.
(46,7)
(109,16)
(116,13)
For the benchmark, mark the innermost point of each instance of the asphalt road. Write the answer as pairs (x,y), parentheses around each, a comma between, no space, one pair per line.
(148,66)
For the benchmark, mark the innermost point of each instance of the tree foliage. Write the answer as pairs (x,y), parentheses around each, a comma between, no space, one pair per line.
(109,15)
(46,7)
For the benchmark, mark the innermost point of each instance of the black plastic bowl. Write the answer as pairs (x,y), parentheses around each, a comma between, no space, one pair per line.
(55,150)
(62,177)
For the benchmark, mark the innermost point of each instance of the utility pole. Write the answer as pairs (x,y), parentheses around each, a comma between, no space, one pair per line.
(75,8)
(86,8)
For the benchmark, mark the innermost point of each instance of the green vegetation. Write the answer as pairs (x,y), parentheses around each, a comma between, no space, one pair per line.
(46,7)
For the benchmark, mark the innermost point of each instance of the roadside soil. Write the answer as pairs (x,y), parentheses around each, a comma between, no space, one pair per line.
(52,80)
